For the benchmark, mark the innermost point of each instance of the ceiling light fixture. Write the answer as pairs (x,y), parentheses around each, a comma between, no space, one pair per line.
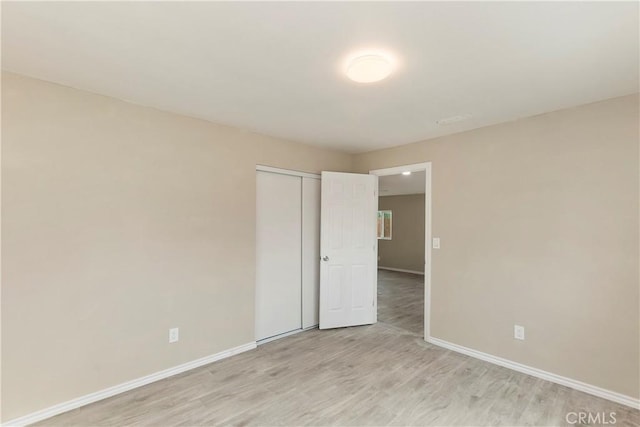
(406,173)
(369,66)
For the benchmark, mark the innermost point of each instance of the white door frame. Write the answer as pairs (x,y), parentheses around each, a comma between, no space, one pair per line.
(426,167)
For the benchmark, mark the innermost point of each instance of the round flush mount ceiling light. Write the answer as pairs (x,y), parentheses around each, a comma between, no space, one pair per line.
(369,66)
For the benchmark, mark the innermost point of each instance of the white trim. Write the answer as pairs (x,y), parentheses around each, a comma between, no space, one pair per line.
(281,171)
(428,235)
(539,373)
(401,270)
(426,167)
(282,335)
(129,385)
(416,167)
(286,334)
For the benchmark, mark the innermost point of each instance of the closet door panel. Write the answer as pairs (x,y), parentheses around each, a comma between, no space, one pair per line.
(310,251)
(278,254)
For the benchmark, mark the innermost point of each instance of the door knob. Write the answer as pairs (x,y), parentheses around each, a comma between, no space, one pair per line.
(325,258)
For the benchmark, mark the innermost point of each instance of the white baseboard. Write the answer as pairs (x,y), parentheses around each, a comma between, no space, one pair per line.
(538,373)
(121,388)
(401,270)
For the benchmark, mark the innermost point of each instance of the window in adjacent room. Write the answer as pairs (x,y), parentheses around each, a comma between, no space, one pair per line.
(384,225)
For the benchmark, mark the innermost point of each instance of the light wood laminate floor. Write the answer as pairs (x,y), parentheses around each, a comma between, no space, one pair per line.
(401,300)
(383,374)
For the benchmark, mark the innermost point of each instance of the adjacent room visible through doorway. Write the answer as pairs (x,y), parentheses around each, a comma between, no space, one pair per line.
(401,250)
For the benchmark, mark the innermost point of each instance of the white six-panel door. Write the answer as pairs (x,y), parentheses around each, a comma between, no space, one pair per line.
(348,247)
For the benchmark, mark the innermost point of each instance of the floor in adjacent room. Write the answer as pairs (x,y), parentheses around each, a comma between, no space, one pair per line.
(401,300)
(383,374)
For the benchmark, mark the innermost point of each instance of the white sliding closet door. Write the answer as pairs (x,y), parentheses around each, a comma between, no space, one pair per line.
(278,254)
(310,251)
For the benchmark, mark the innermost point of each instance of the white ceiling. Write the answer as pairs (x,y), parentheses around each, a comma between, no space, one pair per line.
(274,67)
(395,185)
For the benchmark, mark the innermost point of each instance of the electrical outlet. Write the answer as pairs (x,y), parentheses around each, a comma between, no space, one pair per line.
(174,335)
(436,243)
(518,332)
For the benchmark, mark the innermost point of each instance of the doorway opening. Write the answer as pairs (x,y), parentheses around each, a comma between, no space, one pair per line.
(404,252)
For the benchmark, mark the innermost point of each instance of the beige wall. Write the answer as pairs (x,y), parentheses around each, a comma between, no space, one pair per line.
(539,226)
(119,222)
(405,250)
